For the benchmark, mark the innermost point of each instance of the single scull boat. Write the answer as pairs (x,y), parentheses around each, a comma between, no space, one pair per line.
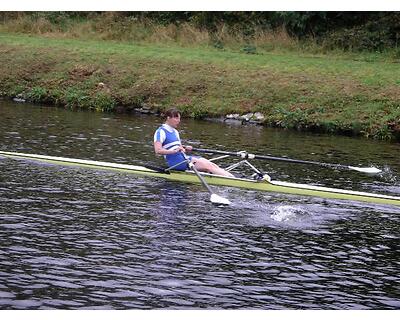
(191,177)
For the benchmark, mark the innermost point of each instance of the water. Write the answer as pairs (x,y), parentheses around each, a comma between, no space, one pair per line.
(76,238)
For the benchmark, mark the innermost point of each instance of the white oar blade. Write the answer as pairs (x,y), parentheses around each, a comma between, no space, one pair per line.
(366,170)
(219,200)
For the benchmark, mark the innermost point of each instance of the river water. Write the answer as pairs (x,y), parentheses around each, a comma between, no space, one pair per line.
(76,238)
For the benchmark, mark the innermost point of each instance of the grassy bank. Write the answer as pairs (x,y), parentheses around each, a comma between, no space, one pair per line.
(334,94)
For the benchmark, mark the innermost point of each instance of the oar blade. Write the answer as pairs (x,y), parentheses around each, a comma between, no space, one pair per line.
(216,199)
(366,170)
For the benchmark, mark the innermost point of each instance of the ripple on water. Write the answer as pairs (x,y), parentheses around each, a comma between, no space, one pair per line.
(75,238)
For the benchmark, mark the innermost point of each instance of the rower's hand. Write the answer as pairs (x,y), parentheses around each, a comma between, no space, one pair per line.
(179,149)
(188,148)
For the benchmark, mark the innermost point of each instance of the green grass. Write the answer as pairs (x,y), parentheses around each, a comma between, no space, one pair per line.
(331,93)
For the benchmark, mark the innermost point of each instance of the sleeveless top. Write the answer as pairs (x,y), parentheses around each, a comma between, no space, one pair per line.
(169,138)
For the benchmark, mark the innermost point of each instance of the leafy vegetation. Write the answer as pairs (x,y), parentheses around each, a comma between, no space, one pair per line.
(350,31)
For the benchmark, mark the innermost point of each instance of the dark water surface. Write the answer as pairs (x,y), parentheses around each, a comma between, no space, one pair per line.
(78,238)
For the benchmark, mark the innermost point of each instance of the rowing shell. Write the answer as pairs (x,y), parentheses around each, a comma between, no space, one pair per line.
(190,177)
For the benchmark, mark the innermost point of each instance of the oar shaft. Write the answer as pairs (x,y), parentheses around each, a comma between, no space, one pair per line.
(203,182)
(300,161)
(216,152)
(253,156)
(214,198)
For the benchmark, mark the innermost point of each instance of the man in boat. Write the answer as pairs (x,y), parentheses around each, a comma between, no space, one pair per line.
(168,143)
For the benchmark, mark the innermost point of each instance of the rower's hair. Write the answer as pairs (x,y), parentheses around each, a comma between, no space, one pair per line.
(172,113)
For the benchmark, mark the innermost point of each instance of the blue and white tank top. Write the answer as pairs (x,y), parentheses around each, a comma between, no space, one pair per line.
(169,138)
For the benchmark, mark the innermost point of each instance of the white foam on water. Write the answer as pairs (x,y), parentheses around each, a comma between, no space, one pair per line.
(388,175)
(287,213)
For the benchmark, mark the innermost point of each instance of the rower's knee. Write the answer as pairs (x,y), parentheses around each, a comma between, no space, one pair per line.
(204,164)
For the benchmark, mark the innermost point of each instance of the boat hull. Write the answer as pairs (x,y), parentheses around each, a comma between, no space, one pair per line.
(190,177)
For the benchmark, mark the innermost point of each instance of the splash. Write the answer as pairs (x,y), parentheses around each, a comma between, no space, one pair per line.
(287,213)
(388,175)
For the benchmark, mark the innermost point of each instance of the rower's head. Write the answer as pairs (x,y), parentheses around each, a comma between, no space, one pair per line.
(173,117)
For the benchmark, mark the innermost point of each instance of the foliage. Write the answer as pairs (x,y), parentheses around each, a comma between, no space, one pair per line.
(370,31)
(374,35)
(103,102)
(76,98)
(37,94)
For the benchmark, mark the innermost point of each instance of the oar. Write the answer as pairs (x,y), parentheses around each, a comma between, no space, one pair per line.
(245,155)
(214,198)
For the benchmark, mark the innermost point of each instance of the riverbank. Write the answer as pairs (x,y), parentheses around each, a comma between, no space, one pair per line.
(333,94)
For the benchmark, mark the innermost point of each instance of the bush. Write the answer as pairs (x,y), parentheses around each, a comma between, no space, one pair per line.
(360,31)
(375,35)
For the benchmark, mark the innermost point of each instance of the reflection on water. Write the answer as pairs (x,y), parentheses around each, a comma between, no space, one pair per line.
(78,238)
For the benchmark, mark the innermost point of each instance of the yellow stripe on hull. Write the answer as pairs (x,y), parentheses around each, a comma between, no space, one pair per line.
(190,177)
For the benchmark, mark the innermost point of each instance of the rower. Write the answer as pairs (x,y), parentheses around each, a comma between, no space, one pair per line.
(168,143)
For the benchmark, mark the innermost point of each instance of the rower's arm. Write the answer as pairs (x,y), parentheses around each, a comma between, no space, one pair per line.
(158,149)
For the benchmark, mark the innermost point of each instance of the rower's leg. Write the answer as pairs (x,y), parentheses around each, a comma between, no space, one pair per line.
(205,165)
